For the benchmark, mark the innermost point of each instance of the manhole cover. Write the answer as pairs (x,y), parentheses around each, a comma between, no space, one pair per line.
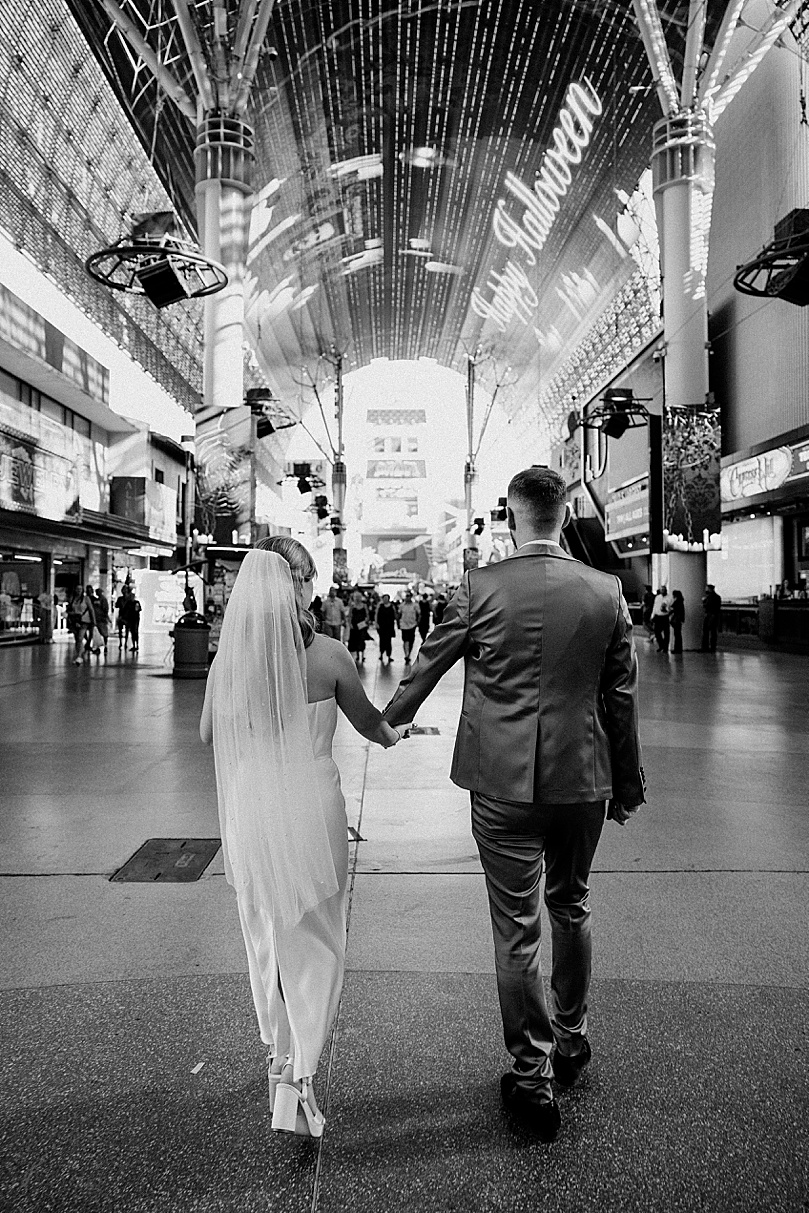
(169,859)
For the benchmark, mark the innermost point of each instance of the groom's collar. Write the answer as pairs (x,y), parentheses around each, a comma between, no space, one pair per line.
(541,547)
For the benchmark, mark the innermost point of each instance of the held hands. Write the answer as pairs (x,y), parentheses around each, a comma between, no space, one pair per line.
(390,736)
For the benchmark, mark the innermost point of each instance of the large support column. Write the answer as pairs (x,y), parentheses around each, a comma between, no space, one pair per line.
(224,160)
(683,170)
(683,173)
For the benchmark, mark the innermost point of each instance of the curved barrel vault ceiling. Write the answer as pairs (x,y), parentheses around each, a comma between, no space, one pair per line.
(385,130)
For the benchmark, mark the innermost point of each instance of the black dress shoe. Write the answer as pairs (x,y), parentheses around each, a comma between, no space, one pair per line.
(541,1119)
(568,1070)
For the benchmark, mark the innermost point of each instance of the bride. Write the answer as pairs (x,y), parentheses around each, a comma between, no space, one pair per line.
(270,711)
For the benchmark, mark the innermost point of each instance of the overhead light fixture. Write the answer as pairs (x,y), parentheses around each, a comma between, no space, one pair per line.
(616,426)
(618,411)
(781,270)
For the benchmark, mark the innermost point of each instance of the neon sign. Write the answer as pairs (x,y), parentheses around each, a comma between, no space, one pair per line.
(542,203)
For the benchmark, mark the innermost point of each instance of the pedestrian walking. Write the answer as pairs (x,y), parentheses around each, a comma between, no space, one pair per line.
(425,615)
(120,623)
(358,627)
(334,615)
(660,619)
(548,735)
(648,605)
(677,619)
(408,619)
(439,606)
(81,620)
(131,612)
(102,609)
(385,627)
(712,608)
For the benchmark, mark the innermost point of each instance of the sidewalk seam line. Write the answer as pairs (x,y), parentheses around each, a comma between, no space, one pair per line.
(335,1027)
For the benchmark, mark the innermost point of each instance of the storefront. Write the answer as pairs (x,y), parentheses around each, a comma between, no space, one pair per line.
(765,512)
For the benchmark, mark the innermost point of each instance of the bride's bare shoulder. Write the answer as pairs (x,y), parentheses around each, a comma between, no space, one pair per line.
(327,653)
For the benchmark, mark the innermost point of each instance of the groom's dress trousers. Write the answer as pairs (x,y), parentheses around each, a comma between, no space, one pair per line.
(548,733)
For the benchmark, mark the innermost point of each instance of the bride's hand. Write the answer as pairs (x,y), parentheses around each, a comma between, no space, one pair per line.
(388,735)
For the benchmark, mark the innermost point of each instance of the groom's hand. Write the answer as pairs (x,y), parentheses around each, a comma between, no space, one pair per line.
(621,812)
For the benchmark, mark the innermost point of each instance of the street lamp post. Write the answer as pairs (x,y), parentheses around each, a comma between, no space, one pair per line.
(188,443)
(338,477)
(471,556)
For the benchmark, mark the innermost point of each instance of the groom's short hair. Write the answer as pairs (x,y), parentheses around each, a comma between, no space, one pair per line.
(542,493)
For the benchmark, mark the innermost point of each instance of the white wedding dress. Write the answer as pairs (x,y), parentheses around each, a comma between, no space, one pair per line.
(296,974)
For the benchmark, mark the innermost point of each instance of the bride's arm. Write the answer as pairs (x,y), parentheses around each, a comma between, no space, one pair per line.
(206,719)
(353,701)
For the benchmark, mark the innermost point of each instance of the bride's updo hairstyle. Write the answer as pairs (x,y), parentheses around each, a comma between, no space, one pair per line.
(303,568)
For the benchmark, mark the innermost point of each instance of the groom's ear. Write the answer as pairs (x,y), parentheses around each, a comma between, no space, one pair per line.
(511,522)
(567,516)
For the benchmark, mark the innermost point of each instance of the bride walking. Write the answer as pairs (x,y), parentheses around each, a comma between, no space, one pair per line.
(271,711)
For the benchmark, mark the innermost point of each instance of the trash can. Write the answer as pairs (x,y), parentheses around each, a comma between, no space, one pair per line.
(191,632)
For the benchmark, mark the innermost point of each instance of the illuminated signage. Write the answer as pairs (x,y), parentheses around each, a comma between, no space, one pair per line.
(512,295)
(627,510)
(543,200)
(764,473)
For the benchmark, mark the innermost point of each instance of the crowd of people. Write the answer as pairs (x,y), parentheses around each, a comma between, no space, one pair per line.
(664,616)
(89,620)
(360,617)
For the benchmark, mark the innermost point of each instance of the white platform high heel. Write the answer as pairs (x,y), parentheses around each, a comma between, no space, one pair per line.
(295,1109)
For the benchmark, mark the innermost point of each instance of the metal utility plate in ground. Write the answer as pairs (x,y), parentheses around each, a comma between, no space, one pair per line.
(169,859)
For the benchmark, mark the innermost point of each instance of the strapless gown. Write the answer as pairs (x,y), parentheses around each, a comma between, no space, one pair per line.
(296,975)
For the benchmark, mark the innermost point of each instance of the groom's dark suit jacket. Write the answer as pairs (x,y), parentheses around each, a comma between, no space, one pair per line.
(550,707)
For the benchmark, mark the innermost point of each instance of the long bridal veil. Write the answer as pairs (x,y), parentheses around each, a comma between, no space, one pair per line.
(274,834)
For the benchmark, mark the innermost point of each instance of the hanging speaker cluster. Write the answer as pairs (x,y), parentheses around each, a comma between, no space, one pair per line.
(156,261)
(781,270)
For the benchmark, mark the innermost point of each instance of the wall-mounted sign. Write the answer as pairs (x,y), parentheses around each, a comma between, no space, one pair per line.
(627,510)
(764,473)
(403,469)
(146,501)
(34,480)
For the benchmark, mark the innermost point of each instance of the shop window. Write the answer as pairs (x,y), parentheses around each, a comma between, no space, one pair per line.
(395,445)
(412,446)
(81,425)
(379,446)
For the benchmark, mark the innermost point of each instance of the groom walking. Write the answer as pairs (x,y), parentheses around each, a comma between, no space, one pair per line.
(548,735)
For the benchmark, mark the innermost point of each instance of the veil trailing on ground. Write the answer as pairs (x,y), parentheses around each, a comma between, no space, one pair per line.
(274,835)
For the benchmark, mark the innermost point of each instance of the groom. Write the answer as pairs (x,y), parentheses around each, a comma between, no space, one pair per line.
(548,735)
